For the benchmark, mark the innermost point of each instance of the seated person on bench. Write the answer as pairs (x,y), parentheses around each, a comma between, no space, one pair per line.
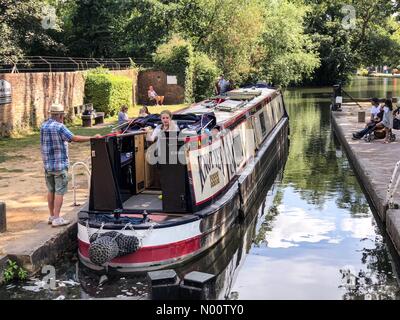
(152,94)
(387,120)
(376,117)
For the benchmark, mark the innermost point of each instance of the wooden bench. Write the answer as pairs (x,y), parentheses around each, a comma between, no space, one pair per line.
(99,118)
(78,110)
(87,119)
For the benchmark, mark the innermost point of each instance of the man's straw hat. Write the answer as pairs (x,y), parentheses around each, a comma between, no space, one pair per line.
(57,108)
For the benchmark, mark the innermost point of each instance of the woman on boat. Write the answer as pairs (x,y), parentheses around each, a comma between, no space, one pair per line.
(152,94)
(123,115)
(144,112)
(167,124)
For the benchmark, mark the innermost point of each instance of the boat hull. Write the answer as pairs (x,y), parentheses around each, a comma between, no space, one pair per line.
(166,247)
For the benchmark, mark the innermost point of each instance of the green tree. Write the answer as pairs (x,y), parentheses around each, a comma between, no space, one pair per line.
(343,49)
(286,55)
(177,57)
(205,75)
(226,30)
(145,25)
(251,40)
(24,30)
(91,32)
(383,44)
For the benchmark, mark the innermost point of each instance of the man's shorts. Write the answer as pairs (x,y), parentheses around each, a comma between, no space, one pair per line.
(57,181)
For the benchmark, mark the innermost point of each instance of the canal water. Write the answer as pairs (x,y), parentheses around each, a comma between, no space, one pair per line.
(311,235)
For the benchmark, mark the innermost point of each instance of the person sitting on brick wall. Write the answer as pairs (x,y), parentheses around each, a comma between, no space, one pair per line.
(152,94)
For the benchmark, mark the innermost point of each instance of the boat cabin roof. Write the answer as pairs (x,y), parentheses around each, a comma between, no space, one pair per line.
(231,104)
(219,110)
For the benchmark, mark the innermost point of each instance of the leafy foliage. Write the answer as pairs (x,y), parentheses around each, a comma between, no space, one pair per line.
(108,92)
(177,57)
(144,25)
(13,271)
(251,40)
(287,55)
(22,31)
(205,75)
(343,50)
(91,32)
(227,31)
(283,42)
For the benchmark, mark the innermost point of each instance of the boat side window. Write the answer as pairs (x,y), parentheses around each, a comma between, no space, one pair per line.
(262,123)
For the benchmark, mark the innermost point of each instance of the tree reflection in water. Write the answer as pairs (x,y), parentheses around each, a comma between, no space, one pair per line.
(377,282)
(315,168)
(319,173)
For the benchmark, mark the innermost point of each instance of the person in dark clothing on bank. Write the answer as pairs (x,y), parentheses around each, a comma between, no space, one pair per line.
(376,117)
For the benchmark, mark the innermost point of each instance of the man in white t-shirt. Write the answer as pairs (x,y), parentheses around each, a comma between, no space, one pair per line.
(376,117)
(375,109)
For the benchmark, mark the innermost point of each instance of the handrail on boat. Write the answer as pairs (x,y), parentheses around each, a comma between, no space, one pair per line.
(136,133)
(87,172)
(393,187)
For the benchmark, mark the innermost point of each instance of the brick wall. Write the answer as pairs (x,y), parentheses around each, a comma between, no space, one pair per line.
(174,94)
(33,93)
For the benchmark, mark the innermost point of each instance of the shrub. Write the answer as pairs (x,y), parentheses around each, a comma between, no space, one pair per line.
(176,57)
(205,74)
(13,271)
(98,70)
(108,92)
(362,72)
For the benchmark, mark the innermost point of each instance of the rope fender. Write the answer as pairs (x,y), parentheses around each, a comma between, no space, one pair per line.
(107,246)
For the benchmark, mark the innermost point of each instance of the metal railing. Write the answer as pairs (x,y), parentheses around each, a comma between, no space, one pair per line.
(393,187)
(85,165)
(65,64)
(351,98)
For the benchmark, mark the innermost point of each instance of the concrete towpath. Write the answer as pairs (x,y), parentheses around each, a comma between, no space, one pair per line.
(373,162)
(42,245)
(29,240)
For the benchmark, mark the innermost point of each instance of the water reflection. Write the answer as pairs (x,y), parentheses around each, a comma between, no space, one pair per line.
(319,238)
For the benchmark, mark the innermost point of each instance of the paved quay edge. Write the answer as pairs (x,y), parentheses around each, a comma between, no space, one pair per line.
(45,246)
(391,217)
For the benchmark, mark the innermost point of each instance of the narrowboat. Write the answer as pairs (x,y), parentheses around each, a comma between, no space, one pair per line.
(155,205)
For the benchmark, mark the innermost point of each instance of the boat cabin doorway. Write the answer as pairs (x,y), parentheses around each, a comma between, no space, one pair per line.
(124,180)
